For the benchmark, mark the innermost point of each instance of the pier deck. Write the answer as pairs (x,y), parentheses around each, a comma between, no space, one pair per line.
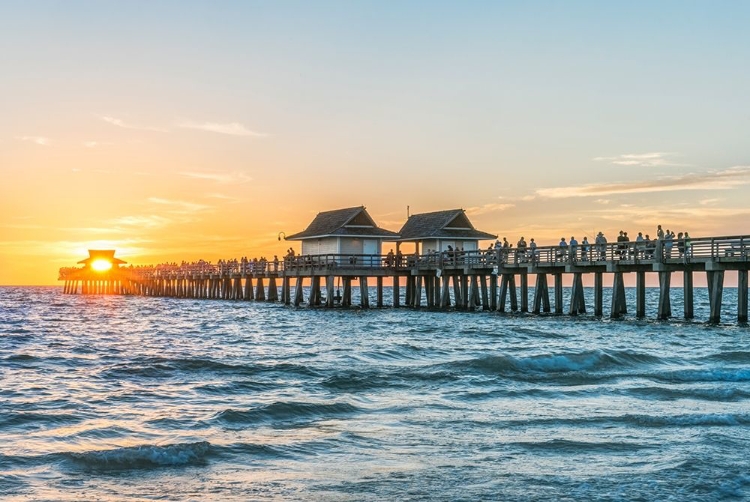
(462,280)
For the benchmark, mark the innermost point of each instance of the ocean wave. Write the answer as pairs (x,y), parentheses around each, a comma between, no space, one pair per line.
(577,447)
(597,360)
(355,381)
(705,375)
(37,420)
(721,394)
(286,412)
(732,356)
(694,420)
(143,457)
(159,367)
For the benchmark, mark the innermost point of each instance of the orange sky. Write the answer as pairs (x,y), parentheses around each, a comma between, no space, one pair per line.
(174,134)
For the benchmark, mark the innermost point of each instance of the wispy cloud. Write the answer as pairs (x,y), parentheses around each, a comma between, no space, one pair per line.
(492,207)
(234,177)
(127,125)
(652,159)
(179,206)
(712,180)
(222,196)
(39,140)
(232,128)
(95,144)
(142,221)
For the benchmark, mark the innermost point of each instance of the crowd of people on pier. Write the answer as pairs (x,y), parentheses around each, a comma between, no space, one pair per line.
(667,245)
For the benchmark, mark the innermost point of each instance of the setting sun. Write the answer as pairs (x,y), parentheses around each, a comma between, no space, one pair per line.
(101,265)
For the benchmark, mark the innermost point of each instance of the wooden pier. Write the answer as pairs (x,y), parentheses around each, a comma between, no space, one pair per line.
(474,280)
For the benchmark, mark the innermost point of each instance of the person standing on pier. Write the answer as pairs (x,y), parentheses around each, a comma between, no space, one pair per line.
(573,248)
(533,251)
(585,249)
(659,233)
(668,241)
(601,244)
(563,248)
(521,249)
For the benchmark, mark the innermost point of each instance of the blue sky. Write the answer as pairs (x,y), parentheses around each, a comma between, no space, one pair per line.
(538,117)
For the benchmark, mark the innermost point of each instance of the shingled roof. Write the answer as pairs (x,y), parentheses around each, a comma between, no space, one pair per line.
(351,221)
(450,224)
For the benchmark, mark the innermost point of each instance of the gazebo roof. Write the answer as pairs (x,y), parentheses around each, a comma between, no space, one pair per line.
(351,221)
(449,224)
(102,254)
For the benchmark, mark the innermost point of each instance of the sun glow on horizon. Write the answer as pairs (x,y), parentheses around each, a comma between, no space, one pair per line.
(101,265)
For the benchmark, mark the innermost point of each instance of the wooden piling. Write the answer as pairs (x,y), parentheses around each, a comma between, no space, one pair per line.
(687,293)
(742,296)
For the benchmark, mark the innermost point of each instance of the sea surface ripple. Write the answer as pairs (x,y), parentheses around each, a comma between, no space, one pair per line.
(109,398)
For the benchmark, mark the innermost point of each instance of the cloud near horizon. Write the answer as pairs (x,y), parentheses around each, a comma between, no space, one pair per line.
(236,177)
(652,159)
(712,180)
(126,125)
(179,206)
(232,128)
(489,208)
(39,140)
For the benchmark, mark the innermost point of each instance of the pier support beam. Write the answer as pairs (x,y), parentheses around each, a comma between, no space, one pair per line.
(687,293)
(524,292)
(640,294)
(485,295)
(260,292)
(330,291)
(541,294)
(598,294)
(742,296)
(285,290)
(619,304)
(503,293)
(558,293)
(577,300)
(396,291)
(715,292)
(346,300)
(364,293)
(298,292)
(465,292)
(417,295)
(665,305)
(379,292)
(457,302)
(493,292)
(273,291)
(445,294)
(472,292)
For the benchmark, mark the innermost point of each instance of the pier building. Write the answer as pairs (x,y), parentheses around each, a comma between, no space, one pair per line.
(442,231)
(344,232)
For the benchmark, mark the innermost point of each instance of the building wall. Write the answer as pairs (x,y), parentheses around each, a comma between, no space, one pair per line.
(351,245)
(327,245)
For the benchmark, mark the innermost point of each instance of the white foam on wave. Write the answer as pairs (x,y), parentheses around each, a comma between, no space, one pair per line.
(146,456)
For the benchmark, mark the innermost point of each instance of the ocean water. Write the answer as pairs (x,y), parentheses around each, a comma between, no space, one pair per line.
(111,398)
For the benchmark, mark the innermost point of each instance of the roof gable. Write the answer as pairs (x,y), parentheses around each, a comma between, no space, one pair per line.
(353,221)
(450,224)
(460,222)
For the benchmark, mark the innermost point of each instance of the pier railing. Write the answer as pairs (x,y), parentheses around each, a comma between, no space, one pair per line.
(717,249)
